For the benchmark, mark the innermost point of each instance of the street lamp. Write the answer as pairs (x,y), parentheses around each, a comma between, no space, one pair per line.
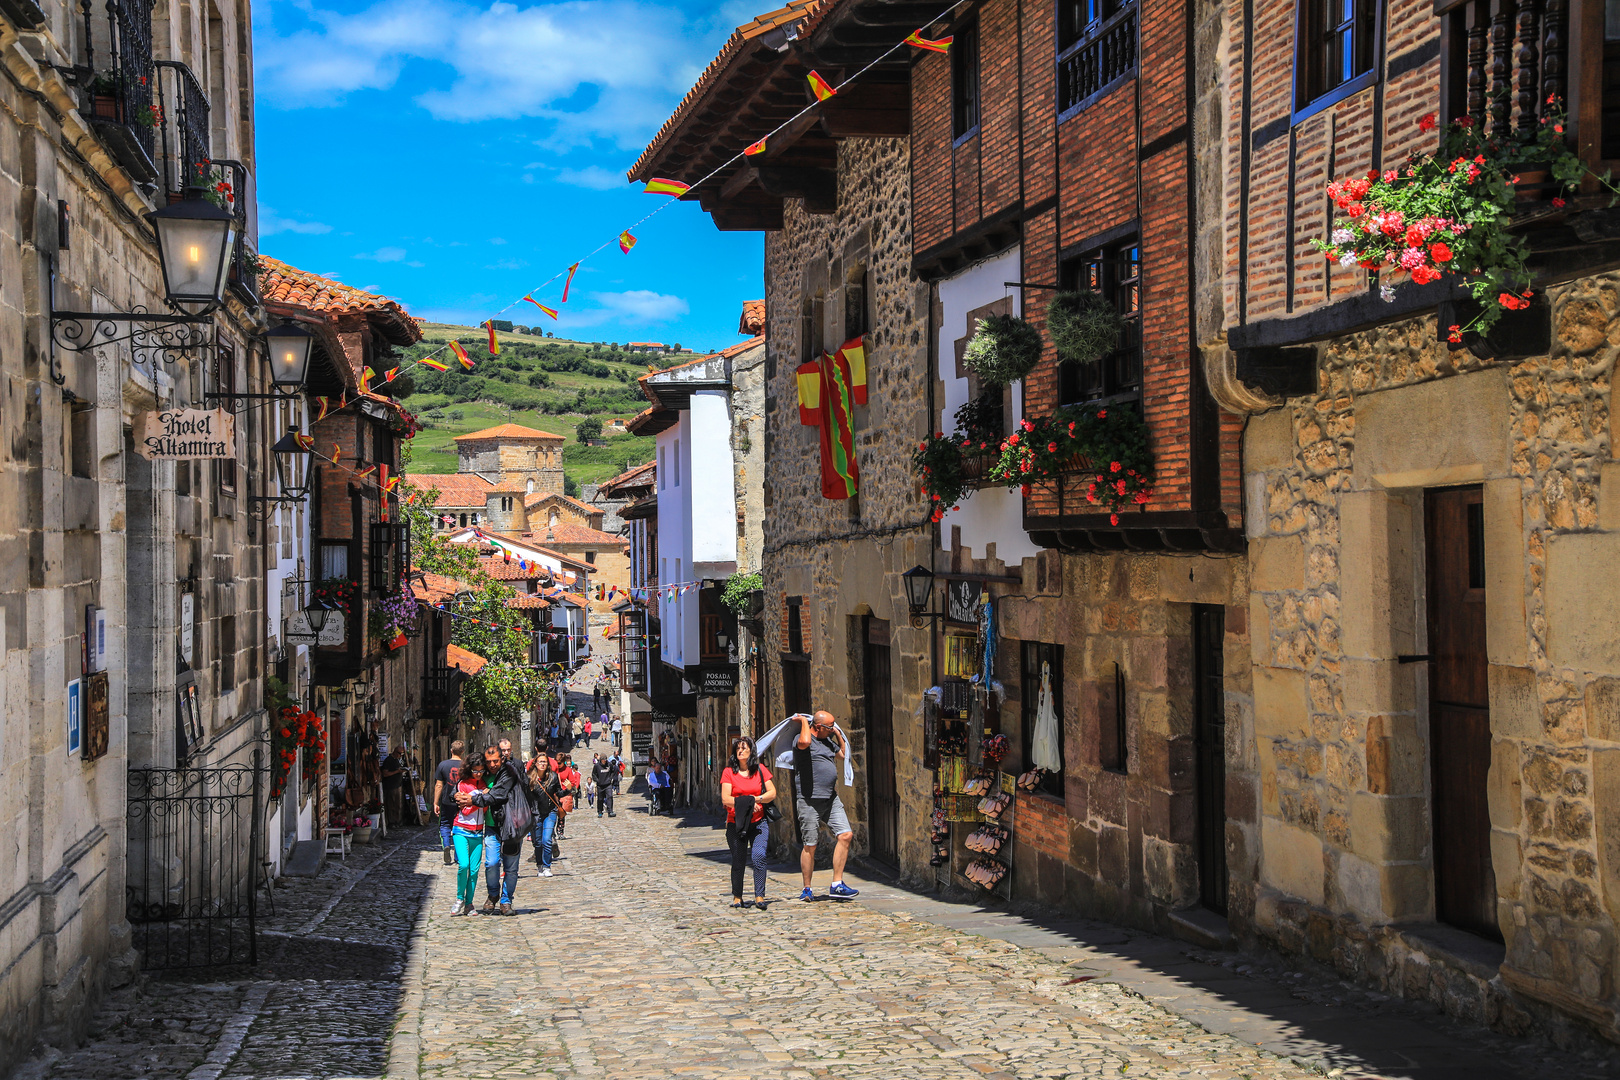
(919,583)
(292,470)
(289,346)
(316,615)
(194,243)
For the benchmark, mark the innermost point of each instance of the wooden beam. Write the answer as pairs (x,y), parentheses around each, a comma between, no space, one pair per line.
(869,110)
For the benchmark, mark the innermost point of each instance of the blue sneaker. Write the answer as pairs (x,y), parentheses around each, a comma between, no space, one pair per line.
(807,895)
(842,891)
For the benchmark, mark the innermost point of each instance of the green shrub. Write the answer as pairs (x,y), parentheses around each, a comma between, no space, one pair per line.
(1083,325)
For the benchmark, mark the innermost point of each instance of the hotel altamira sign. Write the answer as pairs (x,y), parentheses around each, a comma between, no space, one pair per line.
(184,434)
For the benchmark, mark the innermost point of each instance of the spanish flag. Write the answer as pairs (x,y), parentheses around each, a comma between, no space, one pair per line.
(570,281)
(542,307)
(808,377)
(657,186)
(436,365)
(337,453)
(365,377)
(306,441)
(390,374)
(939,45)
(365,472)
(324,402)
(390,484)
(382,476)
(754,148)
(461,354)
(494,346)
(854,353)
(820,87)
(626,241)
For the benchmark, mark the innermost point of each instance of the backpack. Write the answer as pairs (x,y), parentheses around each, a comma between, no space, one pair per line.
(518,819)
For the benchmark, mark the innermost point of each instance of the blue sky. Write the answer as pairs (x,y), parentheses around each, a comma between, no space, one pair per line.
(454,156)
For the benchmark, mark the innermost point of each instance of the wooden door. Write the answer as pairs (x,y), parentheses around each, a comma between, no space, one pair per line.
(1459,710)
(881,796)
(1209,748)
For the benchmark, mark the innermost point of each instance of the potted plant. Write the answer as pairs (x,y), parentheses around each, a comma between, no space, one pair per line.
(1083,325)
(1111,445)
(105,91)
(391,616)
(1450,212)
(1003,350)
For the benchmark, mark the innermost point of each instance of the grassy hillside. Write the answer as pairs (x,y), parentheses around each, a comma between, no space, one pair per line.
(546,383)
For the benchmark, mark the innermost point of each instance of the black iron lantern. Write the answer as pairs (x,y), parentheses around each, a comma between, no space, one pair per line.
(194,244)
(316,615)
(289,346)
(292,466)
(919,583)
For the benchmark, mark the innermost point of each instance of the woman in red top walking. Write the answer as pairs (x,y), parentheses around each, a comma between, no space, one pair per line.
(745,787)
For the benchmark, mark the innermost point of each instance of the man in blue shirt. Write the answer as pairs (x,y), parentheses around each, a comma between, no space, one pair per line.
(658,787)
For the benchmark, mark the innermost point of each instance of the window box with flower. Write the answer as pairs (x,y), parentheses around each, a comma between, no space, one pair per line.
(1111,445)
(391,618)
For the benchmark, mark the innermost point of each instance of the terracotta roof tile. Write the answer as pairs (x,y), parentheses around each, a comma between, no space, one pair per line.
(436,588)
(541,496)
(509,431)
(528,601)
(753,317)
(564,533)
(455,489)
(498,568)
(469,663)
(795,11)
(640,476)
(280,284)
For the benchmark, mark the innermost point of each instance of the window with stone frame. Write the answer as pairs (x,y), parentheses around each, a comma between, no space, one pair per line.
(1113,270)
(225,383)
(1033,654)
(857,310)
(1336,49)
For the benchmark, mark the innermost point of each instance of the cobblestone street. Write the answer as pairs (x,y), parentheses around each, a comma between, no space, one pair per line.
(628,963)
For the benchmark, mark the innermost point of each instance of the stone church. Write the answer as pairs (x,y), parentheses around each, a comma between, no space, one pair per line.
(507,462)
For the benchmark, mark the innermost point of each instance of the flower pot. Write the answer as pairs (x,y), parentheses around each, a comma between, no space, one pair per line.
(362,834)
(104,107)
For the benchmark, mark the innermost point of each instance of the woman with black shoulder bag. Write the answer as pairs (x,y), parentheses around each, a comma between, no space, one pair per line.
(547,792)
(749,795)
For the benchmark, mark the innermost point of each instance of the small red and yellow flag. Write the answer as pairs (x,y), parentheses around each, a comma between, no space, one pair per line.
(390,484)
(549,311)
(626,241)
(820,87)
(659,186)
(938,45)
(568,282)
(306,441)
(436,365)
(754,148)
(365,377)
(337,453)
(494,346)
(324,403)
(365,472)
(461,354)
(390,374)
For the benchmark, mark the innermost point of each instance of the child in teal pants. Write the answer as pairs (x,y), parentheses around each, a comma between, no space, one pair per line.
(468,834)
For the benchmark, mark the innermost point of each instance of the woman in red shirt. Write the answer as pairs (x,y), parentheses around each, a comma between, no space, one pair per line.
(746,786)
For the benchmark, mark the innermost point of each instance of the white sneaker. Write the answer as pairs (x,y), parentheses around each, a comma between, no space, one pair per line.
(455,908)
(545,871)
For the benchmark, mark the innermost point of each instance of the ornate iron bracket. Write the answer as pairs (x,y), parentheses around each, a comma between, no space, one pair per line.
(151,335)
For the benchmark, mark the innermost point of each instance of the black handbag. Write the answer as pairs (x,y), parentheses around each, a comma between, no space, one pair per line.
(772,811)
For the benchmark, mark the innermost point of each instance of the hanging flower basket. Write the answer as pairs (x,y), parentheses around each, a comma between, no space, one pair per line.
(1450,212)
(1003,350)
(1084,326)
(294,729)
(1109,444)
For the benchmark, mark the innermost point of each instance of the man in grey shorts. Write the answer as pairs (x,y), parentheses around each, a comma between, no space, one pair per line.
(817,754)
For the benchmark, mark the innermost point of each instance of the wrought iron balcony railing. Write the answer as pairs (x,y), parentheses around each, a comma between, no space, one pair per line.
(1101,55)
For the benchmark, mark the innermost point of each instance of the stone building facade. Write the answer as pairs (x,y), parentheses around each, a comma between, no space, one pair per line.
(511,453)
(1432,554)
(164,552)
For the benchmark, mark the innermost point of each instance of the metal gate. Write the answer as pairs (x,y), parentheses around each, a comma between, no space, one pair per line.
(194,847)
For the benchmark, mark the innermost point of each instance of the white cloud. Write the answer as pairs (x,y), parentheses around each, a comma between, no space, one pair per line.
(594,177)
(271,223)
(635,306)
(595,69)
(384,255)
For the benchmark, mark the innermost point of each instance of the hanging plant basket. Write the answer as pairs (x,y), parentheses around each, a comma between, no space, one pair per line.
(1084,326)
(1004,349)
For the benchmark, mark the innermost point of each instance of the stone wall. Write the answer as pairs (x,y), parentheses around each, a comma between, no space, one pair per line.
(845,557)
(1335,487)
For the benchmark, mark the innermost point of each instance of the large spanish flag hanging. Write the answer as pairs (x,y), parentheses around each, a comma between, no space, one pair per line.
(461,354)
(494,345)
(659,186)
(840,475)
(549,311)
(820,87)
(938,45)
(809,379)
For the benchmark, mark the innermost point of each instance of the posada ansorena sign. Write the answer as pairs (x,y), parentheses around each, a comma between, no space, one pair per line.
(186,434)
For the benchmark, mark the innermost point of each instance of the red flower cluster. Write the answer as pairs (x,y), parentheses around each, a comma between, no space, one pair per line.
(1515,303)
(297,729)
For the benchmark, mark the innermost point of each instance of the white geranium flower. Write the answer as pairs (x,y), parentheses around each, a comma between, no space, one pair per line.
(1387,292)
(1347,260)
(1343,236)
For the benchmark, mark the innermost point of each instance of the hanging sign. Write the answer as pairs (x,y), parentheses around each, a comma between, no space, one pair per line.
(962,601)
(717,681)
(186,434)
(187,609)
(331,634)
(74,715)
(97,721)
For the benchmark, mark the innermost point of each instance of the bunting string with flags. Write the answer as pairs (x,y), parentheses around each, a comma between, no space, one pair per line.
(938,45)
(494,344)
(549,311)
(572,270)
(626,241)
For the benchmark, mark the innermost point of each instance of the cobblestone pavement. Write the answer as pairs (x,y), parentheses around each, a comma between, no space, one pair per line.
(628,963)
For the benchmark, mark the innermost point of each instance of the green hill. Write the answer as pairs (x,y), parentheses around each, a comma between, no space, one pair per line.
(537,381)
